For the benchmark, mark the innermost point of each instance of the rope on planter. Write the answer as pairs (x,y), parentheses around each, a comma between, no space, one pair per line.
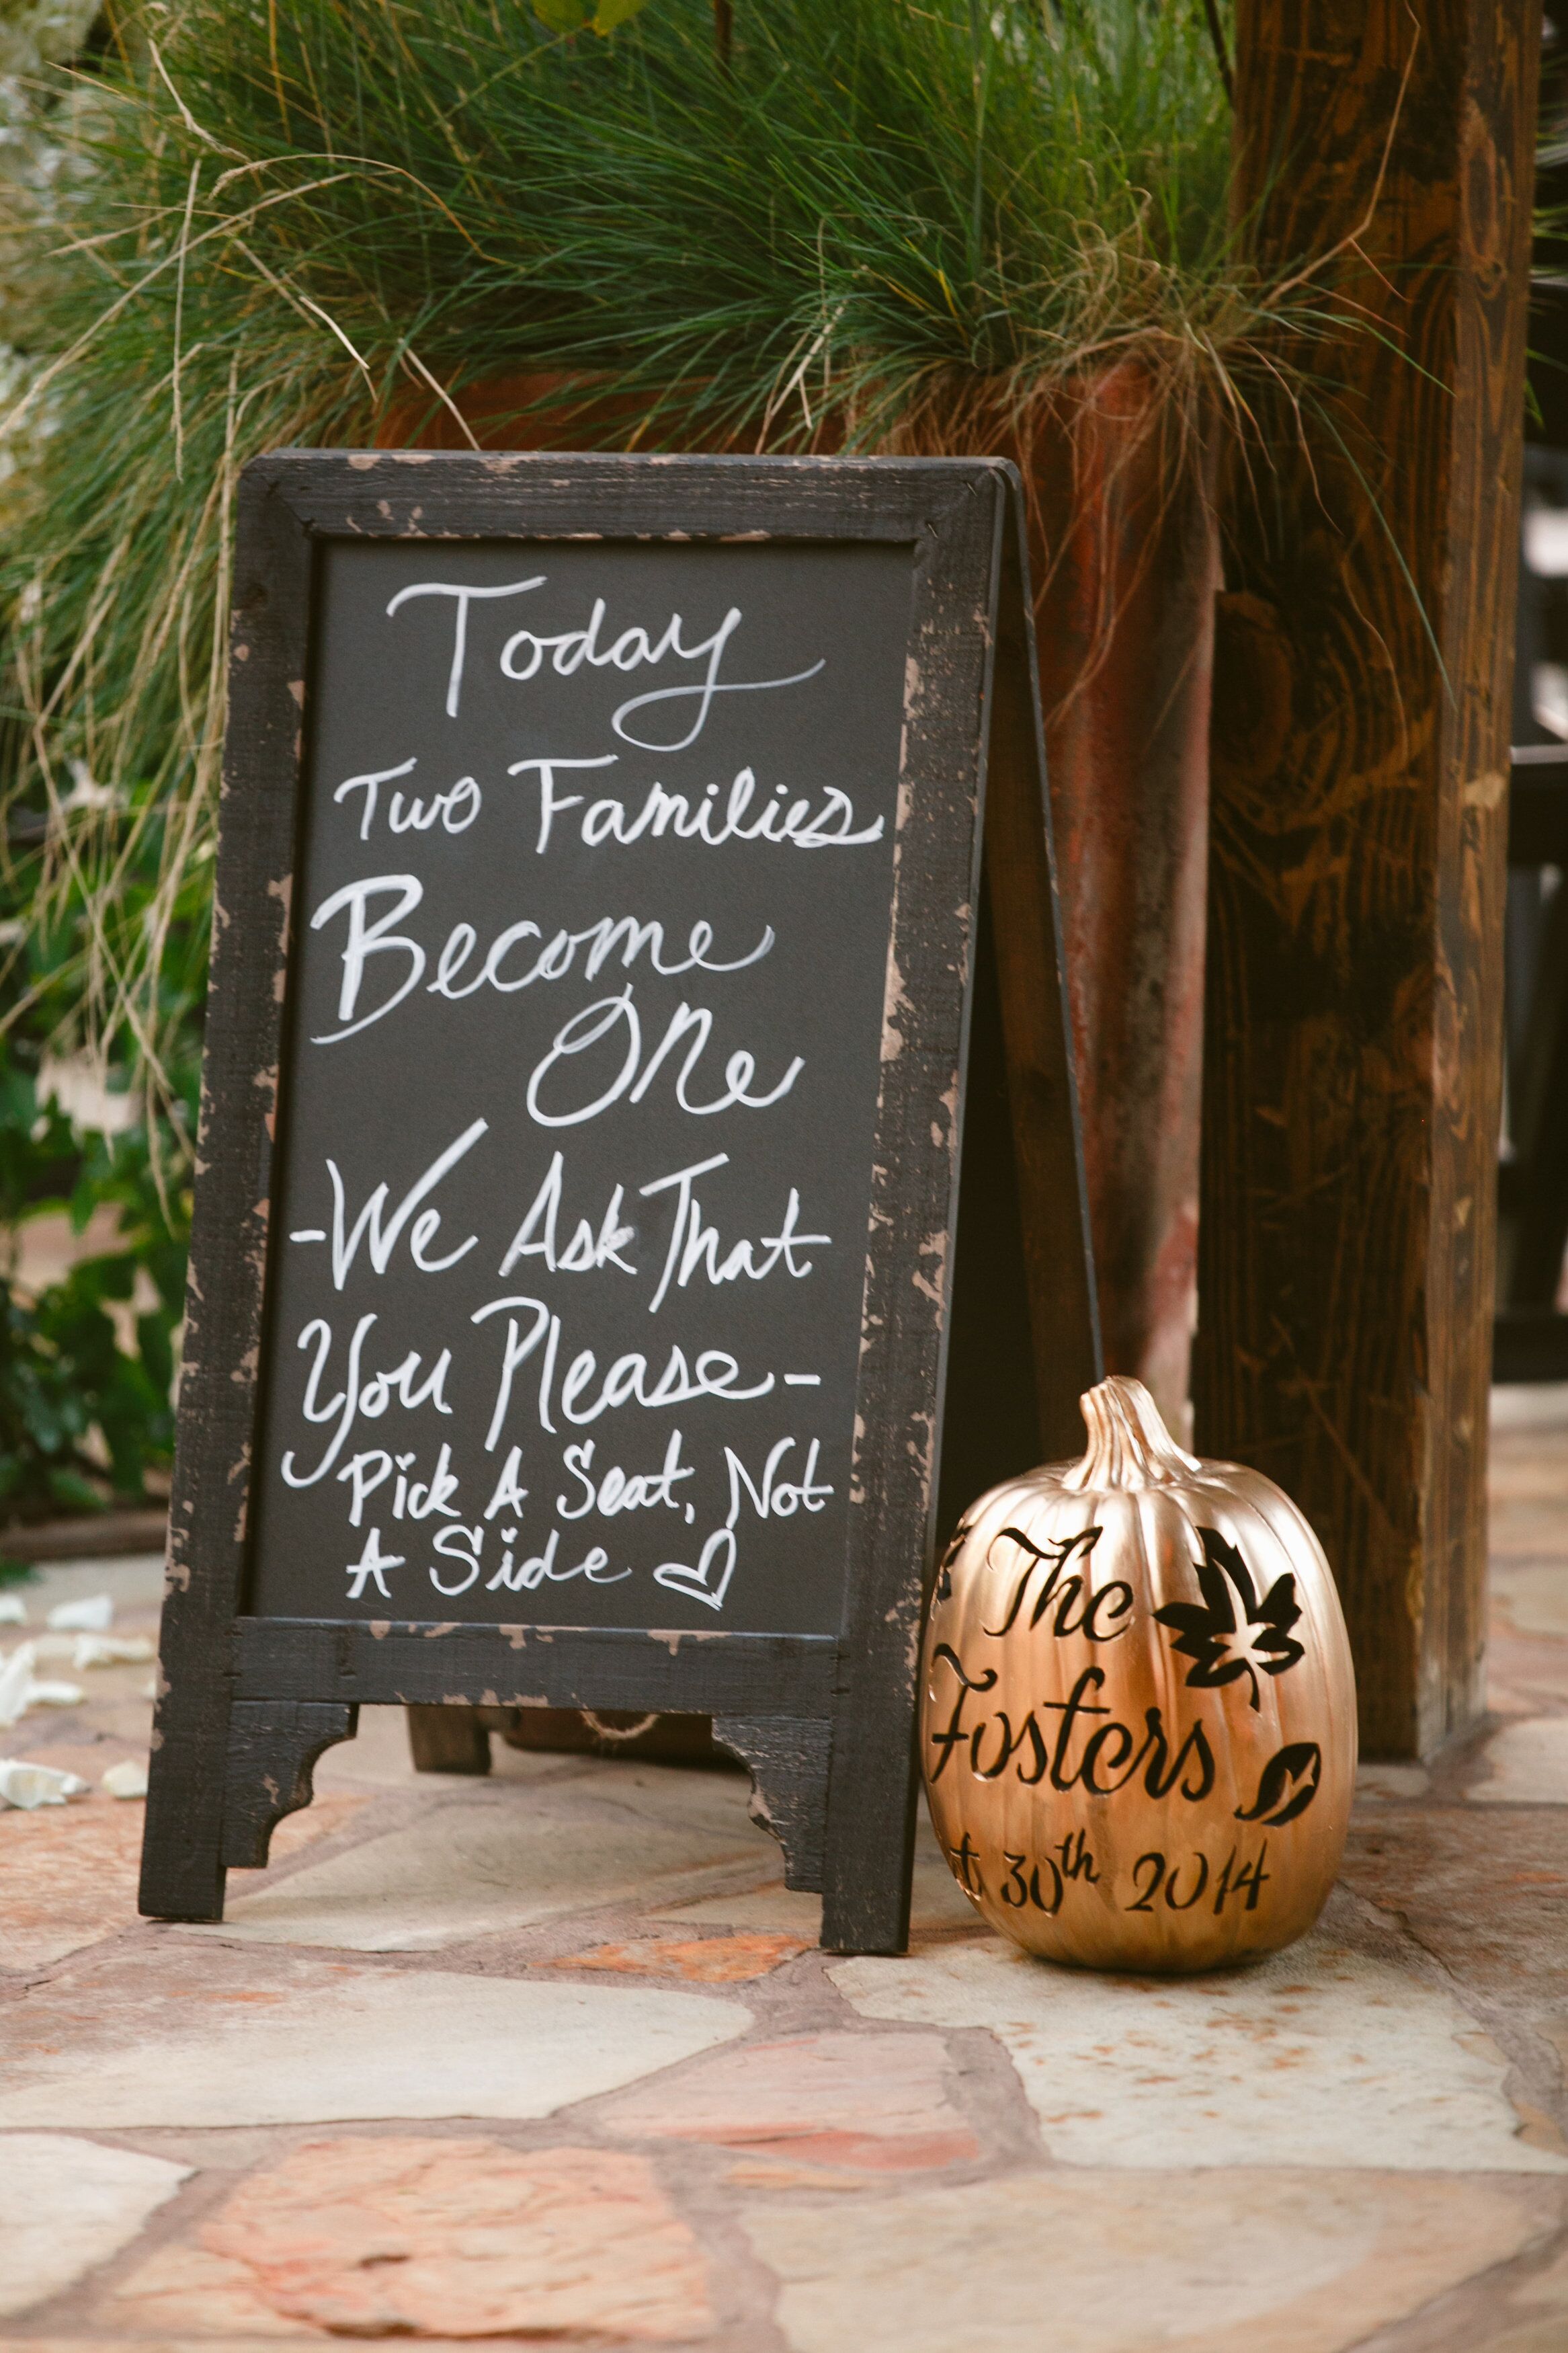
(617,1732)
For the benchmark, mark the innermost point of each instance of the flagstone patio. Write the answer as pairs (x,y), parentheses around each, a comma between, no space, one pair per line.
(552,2057)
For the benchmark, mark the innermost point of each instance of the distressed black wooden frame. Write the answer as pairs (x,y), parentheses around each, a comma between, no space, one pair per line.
(826,1726)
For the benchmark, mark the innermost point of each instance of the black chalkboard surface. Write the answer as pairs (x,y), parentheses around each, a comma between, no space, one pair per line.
(604,981)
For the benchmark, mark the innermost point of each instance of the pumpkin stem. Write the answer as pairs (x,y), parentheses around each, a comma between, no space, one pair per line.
(1129,1445)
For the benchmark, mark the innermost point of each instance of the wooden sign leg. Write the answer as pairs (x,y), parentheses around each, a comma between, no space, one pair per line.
(1023,1337)
(449,1740)
(182,1842)
(273,1746)
(870,1830)
(190,1770)
(787,1757)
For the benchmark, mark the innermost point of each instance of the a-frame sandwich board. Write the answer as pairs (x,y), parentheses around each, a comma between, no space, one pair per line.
(640,1197)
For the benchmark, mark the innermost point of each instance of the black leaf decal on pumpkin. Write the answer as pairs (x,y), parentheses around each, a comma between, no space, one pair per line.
(1222,1642)
(1287,1787)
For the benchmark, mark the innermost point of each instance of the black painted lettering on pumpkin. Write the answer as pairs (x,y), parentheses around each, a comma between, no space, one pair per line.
(1190,1771)
(1071,1708)
(1017,1891)
(1058,1890)
(964,1858)
(1143,1900)
(1287,1786)
(1222,1644)
(1119,1593)
(976,1738)
(1150,1875)
(1201,1880)
(1099,1744)
(1011,1744)
(955,1734)
(1054,1558)
(1076,1861)
(1194,1746)
(1160,1777)
(1038,1753)
(1251,1876)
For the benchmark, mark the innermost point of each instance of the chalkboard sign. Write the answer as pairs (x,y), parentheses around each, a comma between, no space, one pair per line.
(601,978)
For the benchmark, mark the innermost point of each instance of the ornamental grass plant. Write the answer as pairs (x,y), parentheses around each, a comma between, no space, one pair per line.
(871,224)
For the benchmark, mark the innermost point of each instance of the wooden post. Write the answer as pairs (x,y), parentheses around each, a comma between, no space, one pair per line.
(1360,770)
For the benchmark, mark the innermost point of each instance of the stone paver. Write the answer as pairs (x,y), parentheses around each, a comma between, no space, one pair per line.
(68,1874)
(254,2339)
(1532,1596)
(1392,1781)
(187,2291)
(771,1908)
(1482,1889)
(880,2101)
(66,2205)
(1529,2316)
(1324,2055)
(706,1960)
(470,1869)
(362,2043)
(448,2238)
(1243,2261)
(1525,1764)
(938,1905)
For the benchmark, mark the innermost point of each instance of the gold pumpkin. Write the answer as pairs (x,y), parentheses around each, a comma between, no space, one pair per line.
(1138,1720)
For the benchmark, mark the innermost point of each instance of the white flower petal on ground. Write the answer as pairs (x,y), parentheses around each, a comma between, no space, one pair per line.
(86,1651)
(52,1694)
(28,1785)
(20,1689)
(15,1682)
(113,1650)
(127,1779)
(92,1615)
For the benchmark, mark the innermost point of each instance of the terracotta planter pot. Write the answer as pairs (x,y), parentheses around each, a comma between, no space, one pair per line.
(1126,566)
(1125,557)
(1127,562)
(542,410)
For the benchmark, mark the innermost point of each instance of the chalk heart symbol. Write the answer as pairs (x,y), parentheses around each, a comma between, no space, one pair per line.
(710,1580)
